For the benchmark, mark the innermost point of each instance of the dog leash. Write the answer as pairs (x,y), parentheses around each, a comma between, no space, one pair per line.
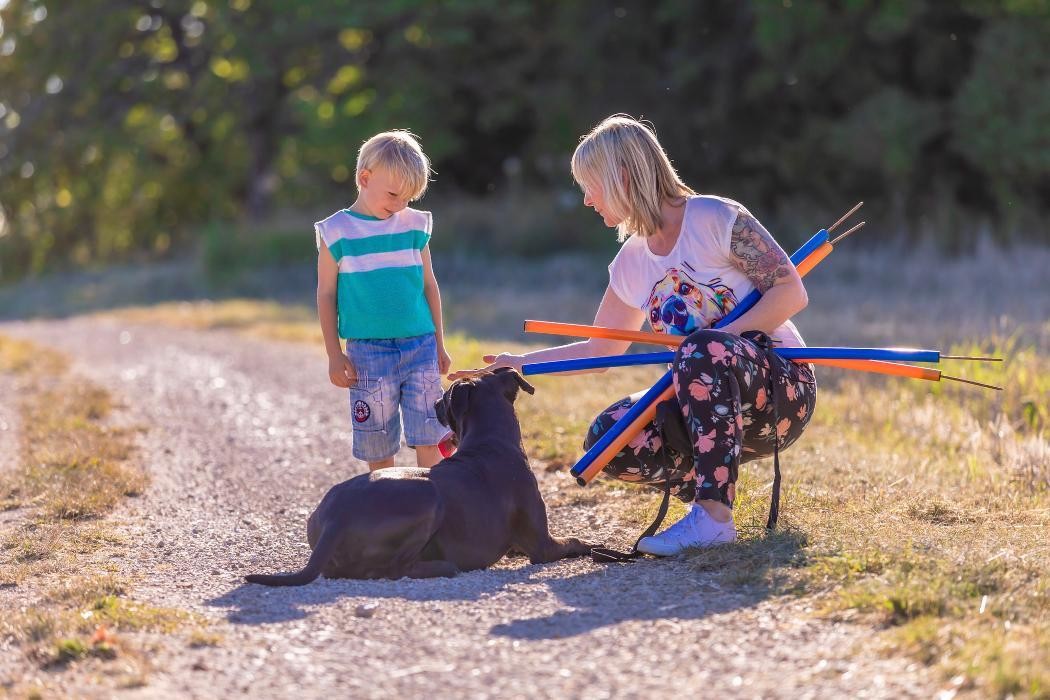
(606,555)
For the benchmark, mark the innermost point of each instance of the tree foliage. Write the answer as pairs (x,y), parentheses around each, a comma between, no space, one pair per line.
(125,124)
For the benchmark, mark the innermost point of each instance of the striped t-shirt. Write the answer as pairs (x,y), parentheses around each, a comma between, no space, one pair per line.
(380,288)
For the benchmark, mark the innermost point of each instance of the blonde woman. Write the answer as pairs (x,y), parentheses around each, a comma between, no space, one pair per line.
(686,261)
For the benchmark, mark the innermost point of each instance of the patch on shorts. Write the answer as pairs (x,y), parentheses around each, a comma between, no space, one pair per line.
(361,411)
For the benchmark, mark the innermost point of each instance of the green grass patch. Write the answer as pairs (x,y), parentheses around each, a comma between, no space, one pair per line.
(88,616)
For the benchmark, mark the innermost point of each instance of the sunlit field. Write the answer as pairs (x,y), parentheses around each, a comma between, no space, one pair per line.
(918,508)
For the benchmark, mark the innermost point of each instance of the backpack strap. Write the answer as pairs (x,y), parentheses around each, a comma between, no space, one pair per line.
(765,343)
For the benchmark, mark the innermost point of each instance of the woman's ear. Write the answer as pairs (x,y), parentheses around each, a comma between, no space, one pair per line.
(625,179)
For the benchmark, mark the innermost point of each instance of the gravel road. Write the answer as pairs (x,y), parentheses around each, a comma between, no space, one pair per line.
(243,439)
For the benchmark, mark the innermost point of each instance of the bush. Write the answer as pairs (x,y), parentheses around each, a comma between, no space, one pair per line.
(228,250)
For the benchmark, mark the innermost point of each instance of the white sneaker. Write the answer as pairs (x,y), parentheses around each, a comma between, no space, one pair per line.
(696,529)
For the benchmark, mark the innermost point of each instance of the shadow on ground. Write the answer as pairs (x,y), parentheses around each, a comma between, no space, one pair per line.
(603,595)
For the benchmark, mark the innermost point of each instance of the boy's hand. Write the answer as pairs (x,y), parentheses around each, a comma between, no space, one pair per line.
(444,360)
(341,371)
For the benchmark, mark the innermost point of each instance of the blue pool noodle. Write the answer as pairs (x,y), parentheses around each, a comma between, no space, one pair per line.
(657,358)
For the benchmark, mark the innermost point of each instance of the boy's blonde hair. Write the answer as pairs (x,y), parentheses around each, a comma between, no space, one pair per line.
(623,159)
(399,152)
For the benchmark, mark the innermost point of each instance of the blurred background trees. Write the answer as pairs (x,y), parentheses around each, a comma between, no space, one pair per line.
(127,127)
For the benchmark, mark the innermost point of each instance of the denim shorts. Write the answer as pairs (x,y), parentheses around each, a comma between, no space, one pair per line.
(397,379)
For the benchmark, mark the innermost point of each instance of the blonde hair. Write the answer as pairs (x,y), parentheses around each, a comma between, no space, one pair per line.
(400,153)
(619,146)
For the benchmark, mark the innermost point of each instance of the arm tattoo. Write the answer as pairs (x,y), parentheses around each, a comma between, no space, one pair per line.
(756,253)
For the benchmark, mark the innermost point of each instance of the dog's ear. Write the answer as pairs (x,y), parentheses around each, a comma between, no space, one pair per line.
(512,381)
(453,405)
(528,388)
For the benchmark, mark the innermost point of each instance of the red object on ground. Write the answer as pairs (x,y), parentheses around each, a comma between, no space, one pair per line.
(447,446)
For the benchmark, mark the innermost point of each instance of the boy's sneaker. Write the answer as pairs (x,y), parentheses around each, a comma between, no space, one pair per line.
(696,529)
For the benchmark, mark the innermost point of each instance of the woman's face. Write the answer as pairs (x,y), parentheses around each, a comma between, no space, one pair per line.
(594,197)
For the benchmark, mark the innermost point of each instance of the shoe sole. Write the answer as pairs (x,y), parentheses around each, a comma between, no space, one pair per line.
(672,552)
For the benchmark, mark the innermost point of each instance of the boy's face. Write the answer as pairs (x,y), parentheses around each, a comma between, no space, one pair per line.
(381,192)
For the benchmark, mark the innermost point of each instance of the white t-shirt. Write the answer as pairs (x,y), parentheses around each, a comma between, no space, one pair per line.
(698,282)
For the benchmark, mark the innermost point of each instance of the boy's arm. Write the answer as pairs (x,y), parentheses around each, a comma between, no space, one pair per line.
(340,370)
(433,295)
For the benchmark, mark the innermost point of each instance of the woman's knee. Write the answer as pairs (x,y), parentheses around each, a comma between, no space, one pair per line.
(697,343)
(700,339)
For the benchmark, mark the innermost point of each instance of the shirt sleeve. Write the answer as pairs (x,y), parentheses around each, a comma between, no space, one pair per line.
(428,228)
(620,278)
(727,214)
(321,235)
(710,231)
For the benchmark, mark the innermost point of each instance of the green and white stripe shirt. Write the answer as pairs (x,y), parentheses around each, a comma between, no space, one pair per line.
(380,287)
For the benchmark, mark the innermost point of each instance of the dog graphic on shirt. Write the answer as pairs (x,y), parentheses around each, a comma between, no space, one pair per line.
(680,305)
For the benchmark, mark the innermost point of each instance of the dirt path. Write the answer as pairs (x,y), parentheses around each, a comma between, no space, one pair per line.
(245,437)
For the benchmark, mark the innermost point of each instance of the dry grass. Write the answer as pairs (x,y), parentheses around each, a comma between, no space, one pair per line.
(258,318)
(73,468)
(920,509)
(41,548)
(199,638)
(73,464)
(925,514)
(88,619)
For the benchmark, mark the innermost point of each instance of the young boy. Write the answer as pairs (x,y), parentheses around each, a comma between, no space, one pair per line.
(376,288)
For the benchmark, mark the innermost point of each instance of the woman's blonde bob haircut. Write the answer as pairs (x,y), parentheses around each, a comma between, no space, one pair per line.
(399,152)
(622,158)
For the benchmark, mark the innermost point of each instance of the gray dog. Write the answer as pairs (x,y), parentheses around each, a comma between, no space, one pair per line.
(465,513)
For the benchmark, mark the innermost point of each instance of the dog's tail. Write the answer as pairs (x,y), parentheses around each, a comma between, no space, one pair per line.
(321,554)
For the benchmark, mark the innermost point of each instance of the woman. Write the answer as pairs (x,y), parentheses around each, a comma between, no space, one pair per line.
(685,263)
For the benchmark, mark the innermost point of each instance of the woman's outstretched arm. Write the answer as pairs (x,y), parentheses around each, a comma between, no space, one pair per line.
(613,312)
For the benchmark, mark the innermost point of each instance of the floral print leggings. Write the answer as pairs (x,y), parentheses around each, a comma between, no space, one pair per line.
(722,382)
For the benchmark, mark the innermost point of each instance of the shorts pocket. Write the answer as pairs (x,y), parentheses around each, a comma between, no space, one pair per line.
(432,393)
(367,408)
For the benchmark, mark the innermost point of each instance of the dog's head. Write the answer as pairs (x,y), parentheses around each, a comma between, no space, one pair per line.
(455,404)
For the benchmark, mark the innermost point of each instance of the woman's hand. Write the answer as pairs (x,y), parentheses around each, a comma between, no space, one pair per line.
(504,359)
